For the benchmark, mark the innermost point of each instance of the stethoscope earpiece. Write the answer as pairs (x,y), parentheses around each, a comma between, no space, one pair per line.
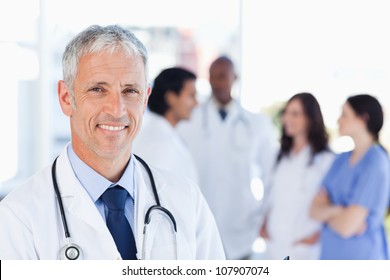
(71,252)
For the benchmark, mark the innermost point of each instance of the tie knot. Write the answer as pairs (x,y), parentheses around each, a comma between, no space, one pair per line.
(115,198)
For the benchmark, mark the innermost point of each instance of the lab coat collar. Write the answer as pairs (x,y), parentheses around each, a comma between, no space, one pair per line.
(159,120)
(233,109)
(226,107)
(303,153)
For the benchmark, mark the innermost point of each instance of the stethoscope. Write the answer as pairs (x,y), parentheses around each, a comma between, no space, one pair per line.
(240,123)
(71,251)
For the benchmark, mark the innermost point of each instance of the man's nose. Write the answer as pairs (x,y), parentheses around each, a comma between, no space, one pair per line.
(115,105)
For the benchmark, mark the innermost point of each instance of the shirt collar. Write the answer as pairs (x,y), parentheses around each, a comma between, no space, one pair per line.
(227,107)
(94,183)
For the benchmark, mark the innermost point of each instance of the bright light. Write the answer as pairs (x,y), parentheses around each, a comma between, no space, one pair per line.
(257,188)
(259,246)
(343,144)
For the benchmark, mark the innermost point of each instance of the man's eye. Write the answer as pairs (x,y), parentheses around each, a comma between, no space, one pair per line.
(97,89)
(130,90)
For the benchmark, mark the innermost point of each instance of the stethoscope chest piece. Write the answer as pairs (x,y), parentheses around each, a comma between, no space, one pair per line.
(71,252)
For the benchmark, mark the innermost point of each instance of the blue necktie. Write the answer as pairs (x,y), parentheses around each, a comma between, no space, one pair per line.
(115,199)
(222,113)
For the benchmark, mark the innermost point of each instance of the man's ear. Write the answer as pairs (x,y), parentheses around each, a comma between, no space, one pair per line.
(235,76)
(65,98)
(148,92)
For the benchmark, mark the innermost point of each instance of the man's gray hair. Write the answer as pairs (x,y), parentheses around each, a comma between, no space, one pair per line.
(95,39)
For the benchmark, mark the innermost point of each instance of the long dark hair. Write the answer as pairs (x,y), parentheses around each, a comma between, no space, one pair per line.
(368,108)
(317,135)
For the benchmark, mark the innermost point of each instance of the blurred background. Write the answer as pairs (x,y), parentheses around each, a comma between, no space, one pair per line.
(332,49)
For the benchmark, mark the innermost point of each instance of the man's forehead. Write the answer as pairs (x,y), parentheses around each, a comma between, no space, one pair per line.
(107,72)
(124,55)
(123,62)
(221,65)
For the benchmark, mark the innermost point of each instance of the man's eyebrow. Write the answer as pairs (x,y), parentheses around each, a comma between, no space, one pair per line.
(137,85)
(97,83)
(105,83)
(131,85)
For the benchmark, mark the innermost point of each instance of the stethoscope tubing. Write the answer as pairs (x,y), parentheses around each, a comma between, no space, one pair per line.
(59,199)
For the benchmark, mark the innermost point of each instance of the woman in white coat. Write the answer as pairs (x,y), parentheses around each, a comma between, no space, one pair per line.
(301,164)
(104,189)
(172,100)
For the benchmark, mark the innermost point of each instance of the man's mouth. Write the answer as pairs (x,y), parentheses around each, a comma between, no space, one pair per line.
(111,127)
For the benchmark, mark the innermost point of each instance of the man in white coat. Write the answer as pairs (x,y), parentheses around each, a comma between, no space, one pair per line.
(233,151)
(104,192)
(172,100)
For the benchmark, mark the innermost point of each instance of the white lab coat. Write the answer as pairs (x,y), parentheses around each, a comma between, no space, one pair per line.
(293,186)
(228,155)
(159,144)
(31,226)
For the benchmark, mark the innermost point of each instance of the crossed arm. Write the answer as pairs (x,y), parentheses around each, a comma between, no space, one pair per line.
(346,221)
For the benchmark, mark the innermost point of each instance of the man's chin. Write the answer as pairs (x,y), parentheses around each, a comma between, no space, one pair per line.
(113,153)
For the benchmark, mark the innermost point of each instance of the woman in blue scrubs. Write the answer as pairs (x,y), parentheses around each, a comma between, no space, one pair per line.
(353,200)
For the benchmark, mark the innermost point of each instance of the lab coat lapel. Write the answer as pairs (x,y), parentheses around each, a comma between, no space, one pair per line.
(84,220)
(233,113)
(215,118)
(144,200)
(212,115)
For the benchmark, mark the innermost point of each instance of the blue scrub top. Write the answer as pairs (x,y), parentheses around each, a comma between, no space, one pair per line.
(367,184)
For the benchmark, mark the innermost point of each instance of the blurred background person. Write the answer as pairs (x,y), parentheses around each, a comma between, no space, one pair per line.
(231,147)
(301,164)
(172,100)
(355,193)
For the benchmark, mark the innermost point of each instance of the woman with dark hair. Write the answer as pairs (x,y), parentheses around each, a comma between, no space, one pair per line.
(172,100)
(301,164)
(355,193)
